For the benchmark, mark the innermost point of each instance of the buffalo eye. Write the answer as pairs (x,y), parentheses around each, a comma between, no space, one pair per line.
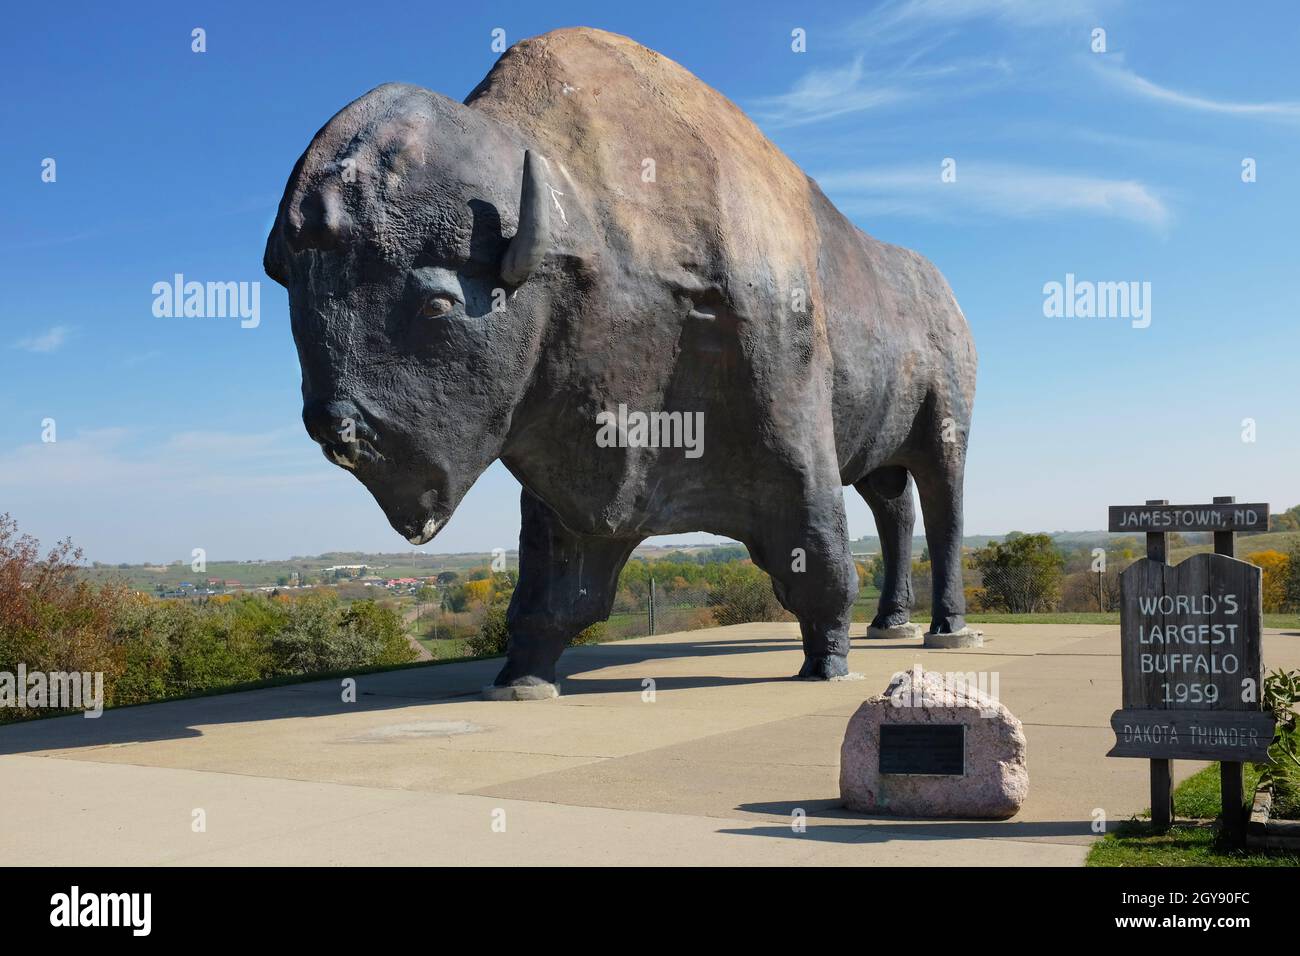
(437,306)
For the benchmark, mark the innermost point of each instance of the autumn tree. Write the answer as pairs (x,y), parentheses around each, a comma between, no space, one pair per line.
(1277,568)
(1020,575)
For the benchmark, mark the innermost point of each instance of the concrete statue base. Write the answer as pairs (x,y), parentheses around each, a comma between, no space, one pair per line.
(899,632)
(966,637)
(539,691)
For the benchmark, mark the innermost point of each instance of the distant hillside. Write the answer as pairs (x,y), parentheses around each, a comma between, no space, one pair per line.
(324,568)
(342,565)
(314,569)
(1247,544)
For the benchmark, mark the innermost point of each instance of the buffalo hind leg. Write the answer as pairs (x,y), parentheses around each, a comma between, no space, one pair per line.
(888,492)
(566,583)
(940,489)
(814,578)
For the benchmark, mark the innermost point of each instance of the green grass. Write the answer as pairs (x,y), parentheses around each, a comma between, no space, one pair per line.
(1135,843)
(445,648)
(1198,796)
(1092,617)
(1054,617)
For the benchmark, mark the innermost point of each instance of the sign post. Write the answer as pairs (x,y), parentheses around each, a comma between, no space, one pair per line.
(1232,774)
(1190,639)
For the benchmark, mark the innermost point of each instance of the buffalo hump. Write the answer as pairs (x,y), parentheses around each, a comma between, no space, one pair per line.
(723,198)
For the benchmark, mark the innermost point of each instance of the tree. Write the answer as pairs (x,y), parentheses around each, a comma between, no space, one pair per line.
(742,594)
(1277,569)
(1020,575)
(723,554)
(876,572)
(51,619)
(478,592)
(1288,520)
(1291,591)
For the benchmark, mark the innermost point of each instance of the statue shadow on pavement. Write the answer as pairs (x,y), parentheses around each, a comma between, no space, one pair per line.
(434,683)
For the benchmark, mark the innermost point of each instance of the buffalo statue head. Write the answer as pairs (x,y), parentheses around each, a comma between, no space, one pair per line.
(417,319)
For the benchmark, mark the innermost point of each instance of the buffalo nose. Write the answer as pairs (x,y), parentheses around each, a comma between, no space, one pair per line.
(335,426)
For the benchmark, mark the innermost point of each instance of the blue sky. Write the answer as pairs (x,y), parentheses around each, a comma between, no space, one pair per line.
(1119,166)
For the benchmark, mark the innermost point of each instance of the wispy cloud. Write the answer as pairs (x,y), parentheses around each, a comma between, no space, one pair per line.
(49,341)
(824,94)
(1020,13)
(1013,192)
(139,358)
(1125,79)
(127,493)
(193,461)
(907,45)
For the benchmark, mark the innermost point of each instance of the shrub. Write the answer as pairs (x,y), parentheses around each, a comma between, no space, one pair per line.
(494,633)
(743,594)
(151,650)
(591,635)
(50,621)
(1021,574)
(1276,567)
(322,634)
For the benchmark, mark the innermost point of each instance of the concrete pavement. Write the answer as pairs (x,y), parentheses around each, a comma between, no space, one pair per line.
(685,748)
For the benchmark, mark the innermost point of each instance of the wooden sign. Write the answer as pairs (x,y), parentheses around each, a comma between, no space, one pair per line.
(1190,641)
(1186,518)
(1190,654)
(1240,736)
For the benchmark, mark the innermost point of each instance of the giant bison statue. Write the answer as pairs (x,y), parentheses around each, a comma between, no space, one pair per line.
(595,238)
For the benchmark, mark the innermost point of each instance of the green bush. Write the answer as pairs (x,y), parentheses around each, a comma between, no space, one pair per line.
(323,634)
(494,633)
(743,593)
(1020,575)
(151,650)
(592,635)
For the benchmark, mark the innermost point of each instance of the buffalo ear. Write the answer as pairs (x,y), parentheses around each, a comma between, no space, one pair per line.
(533,237)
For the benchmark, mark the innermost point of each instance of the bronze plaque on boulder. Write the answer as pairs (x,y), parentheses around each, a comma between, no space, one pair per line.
(937,749)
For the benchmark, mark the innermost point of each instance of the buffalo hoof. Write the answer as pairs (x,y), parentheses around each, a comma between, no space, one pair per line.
(831,667)
(897,632)
(531,690)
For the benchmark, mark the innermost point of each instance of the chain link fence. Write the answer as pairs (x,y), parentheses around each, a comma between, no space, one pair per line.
(664,602)
(1009,590)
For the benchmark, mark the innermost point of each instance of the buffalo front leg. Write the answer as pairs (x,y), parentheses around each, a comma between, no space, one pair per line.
(888,492)
(805,551)
(940,491)
(566,583)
